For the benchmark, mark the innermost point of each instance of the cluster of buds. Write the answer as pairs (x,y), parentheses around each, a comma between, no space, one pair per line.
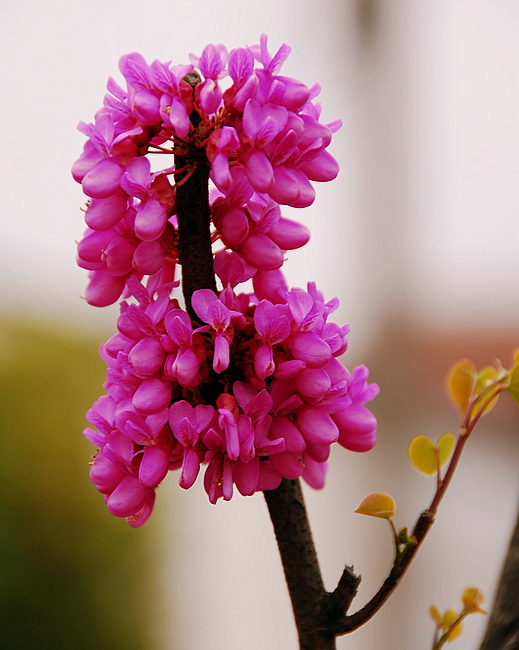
(247,384)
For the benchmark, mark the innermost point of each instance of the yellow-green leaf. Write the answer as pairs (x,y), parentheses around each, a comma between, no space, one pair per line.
(516,355)
(485,378)
(460,383)
(377,505)
(513,385)
(422,454)
(435,614)
(445,447)
(472,598)
(454,632)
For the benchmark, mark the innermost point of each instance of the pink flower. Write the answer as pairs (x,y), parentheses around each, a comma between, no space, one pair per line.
(256,393)
(212,311)
(187,424)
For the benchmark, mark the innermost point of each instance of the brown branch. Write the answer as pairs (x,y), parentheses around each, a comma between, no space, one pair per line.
(193,214)
(353,622)
(310,601)
(503,625)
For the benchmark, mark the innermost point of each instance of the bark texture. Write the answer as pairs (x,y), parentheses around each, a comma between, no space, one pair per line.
(503,626)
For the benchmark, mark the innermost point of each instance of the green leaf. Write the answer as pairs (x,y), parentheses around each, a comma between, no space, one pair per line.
(460,383)
(378,505)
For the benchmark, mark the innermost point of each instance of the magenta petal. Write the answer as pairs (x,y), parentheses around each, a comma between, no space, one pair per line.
(262,123)
(154,466)
(259,170)
(227,488)
(141,517)
(234,226)
(285,187)
(102,214)
(187,365)
(263,361)
(312,383)
(90,248)
(212,60)
(310,348)
(315,473)
(104,289)
(106,475)
(289,465)
(186,433)
(103,179)
(316,425)
(149,256)
(296,93)
(221,353)
(220,172)
(269,478)
(241,64)
(246,476)
(152,396)
(262,253)
(282,427)
(246,92)
(289,369)
(357,427)
(146,106)
(210,96)
(322,167)
(306,191)
(232,439)
(150,220)
(178,411)
(202,300)
(288,234)
(179,117)
(190,469)
(319,453)
(119,255)
(270,285)
(128,497)
(259,406)
(231,268)
(147,356)
(88,159)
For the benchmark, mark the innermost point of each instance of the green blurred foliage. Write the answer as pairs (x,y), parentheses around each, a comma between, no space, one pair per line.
(71,575)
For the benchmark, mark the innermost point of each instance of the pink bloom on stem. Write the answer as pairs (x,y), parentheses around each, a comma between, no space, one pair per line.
(212,311)
(151,214)
(187,424)
(273,327)
(211,65)
(265,146)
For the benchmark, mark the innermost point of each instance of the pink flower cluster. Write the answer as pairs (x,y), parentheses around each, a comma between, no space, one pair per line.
(254,390)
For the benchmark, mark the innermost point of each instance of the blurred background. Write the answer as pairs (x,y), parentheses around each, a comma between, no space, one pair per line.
(418,237)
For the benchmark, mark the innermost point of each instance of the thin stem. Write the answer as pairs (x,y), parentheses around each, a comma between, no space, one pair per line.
(425,521)
(466,429)
(185,178)
(442,488)
(436,637)
(356,620)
